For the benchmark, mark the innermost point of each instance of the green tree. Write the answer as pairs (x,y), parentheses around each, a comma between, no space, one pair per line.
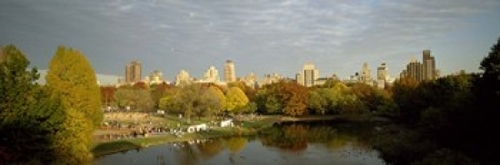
(187,99)
(317,103)
(236,100)
(158,91)
(212,102)
(267,102)
(406,98)
(136,98)
(71,76)
(491,67)
(168,103)
(35,118)
(16,83)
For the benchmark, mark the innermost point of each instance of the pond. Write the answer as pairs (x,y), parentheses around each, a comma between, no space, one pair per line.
(285,143)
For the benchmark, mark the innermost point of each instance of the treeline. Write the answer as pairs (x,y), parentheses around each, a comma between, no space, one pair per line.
(52,123)
(281,98)
(451,120)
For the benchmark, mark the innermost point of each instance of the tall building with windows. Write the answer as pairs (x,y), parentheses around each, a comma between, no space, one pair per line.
(308,75)
(382,75)
(250,80)
(183,78)
(413,70)
(429,66)
(212,75)
(366,75)
(133,72)
(270,78)
(424,71)
(229,72)
(155,77)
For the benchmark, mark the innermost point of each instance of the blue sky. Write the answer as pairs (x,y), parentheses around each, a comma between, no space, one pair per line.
(260,36)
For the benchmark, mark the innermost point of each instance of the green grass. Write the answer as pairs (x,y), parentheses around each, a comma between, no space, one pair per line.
(248,128)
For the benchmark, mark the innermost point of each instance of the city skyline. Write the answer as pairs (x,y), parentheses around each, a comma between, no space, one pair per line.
(260,37)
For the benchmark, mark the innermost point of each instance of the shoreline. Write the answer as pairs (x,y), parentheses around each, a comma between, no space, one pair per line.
(247,128)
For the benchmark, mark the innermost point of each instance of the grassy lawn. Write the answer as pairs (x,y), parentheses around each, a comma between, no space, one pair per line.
(244,127)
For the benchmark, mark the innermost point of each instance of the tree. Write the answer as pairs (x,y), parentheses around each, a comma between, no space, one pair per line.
(16,83)
(34,118)
(158,91)
(168,103)
(135,98)
(71,76)
(294,98)
(187,99)
(317,103)
(213,101)
(405,96)
(236,100)
(283,98)
(107,93)
(491,67)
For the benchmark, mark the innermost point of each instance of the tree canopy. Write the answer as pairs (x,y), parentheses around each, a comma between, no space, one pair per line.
(71,76)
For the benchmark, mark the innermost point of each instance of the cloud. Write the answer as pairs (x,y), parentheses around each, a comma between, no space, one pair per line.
(126,7)
(192,35)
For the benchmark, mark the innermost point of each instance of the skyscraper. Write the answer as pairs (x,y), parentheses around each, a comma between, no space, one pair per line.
(133,72)
(212,75)
(365,76)
(182,78)
(413,70)
(382,75)
(308,75)
(229,72)
(424,71)
(155,77)
(429,66)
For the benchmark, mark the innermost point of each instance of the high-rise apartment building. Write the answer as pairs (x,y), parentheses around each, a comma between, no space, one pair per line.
(250,80)
(155,77)
(414,70)
(133,72)
(271,78)
(429,66)
(229,72)
(365,76)
(382,75)
(308,75)
(183,78)
(422,71)
(212,75)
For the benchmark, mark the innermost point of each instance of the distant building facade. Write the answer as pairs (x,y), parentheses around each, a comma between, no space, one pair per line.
(183,78)
(250,80)
(421,71)
(382,75)
(155,77)
(270,78)
(308,75)
(366,74)
(133,72)
(229,72)
(211,75)
(429,66)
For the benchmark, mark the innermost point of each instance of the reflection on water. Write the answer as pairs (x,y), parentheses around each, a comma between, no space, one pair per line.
(286,143)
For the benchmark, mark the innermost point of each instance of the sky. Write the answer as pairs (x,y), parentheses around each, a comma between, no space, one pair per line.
(259,36)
